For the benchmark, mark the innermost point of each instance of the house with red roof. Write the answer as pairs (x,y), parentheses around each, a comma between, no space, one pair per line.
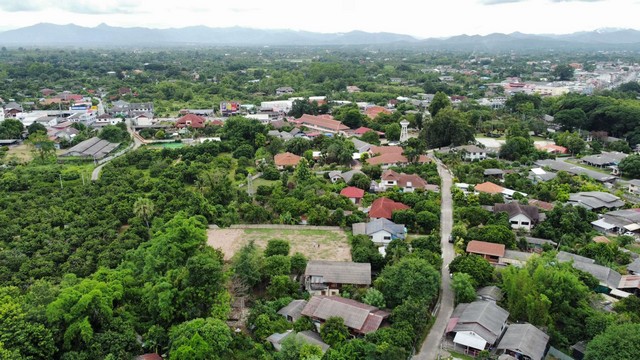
(191,120)
(353,193)
(373,111)
(362,130)
(383,208)
(407,182)
(553,149)
(323,123)
(489,188)
(389,159)
(286,159)
(490,251)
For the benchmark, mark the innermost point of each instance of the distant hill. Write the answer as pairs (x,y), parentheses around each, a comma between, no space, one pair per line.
(108,36)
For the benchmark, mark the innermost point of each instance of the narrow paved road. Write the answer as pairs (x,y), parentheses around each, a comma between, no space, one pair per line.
(431,347)
(95,174)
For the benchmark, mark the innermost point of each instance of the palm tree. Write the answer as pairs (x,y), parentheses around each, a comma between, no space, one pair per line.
(144,208)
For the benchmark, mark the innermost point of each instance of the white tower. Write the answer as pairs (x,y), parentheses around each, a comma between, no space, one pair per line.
(404,133)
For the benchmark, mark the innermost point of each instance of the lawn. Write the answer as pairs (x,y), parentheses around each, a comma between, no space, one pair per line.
(314,244)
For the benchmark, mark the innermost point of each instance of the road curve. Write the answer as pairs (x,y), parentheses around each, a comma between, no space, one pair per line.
(431,346)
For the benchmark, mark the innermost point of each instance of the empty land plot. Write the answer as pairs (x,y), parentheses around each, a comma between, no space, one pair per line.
(314,244)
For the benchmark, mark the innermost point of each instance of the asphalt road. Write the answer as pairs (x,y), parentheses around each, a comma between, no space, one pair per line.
(431,346)
(95,174)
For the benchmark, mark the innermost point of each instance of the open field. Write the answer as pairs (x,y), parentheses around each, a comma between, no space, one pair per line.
(314,244)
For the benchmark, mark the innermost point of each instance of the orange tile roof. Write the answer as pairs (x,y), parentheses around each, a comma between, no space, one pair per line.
(352,192)
(326,122)
(386,150)
(286,159)
(489,188)
(485,248)
(384,208)
(374,111)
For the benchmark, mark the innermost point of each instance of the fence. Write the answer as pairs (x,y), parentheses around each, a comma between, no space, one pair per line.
(284,227)
(558,354)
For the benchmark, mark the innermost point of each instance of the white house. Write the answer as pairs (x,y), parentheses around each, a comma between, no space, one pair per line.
(477,325)
(144,119)
(634,186)
(471,152)
(381,231)
(520,216)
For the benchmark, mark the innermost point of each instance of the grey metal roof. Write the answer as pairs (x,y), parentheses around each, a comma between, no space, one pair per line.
(293,309)
(605,158)
(564,256)
(348,175)
(389,226)
(340,272)
(525,339)
(312,338)
(94,147)
(490,292)
(360,145)
(634,266)
(538,241)
(575,170)
(635,182)
(484,318)
(596,200)
(514,208)
(605,275)
(489,172)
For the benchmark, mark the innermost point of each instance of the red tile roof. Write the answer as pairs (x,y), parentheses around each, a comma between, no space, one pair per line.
(403,179)
(324,122)
(381,150)
(384,208)
(286,159)
(485,248)
(489,188)
(374,111)
(195,121)
(362,130)
(394,158)
(352,192)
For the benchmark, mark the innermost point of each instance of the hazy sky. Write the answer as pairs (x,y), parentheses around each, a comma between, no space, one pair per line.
(420,18)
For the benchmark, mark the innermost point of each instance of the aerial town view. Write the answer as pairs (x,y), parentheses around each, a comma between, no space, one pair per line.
(340,180)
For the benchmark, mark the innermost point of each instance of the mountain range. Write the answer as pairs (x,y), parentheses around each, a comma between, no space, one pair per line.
(107,36)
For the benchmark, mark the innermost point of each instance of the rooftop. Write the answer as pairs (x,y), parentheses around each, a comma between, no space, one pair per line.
(485,248)
(489,188)
(525,339)
(514,208)
(384,208)
(357,316)
(340,272)
(484,318)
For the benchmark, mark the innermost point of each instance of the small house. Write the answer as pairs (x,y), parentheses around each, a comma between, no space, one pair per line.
(327,277)
(381,231)
(477,326)
(524,341)
(286,159)
(520,216)
(490,251)
(353,193)
(359,318)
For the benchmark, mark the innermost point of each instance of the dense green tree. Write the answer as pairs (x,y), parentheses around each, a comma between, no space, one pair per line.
(144,209)
(371,137)
(200,339)
(36,127)
(619,342)
(392,132)
(42,147)
(333,331)
(448,127)
(463,288)
(410,277)
(11,129)
(247,264)
(277,247)
(516,147)
(479,269)
(571,119)
(114,134)
(361,181)
(374,297)
(563,72)
(630,166)
(440,101)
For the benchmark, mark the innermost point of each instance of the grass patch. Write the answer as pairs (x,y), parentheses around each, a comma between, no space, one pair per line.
(314,244)
(455,355)
(260,181)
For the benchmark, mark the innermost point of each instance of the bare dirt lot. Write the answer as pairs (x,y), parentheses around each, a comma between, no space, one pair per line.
(314,244)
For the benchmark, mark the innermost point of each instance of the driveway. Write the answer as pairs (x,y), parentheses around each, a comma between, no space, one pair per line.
(431,346)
